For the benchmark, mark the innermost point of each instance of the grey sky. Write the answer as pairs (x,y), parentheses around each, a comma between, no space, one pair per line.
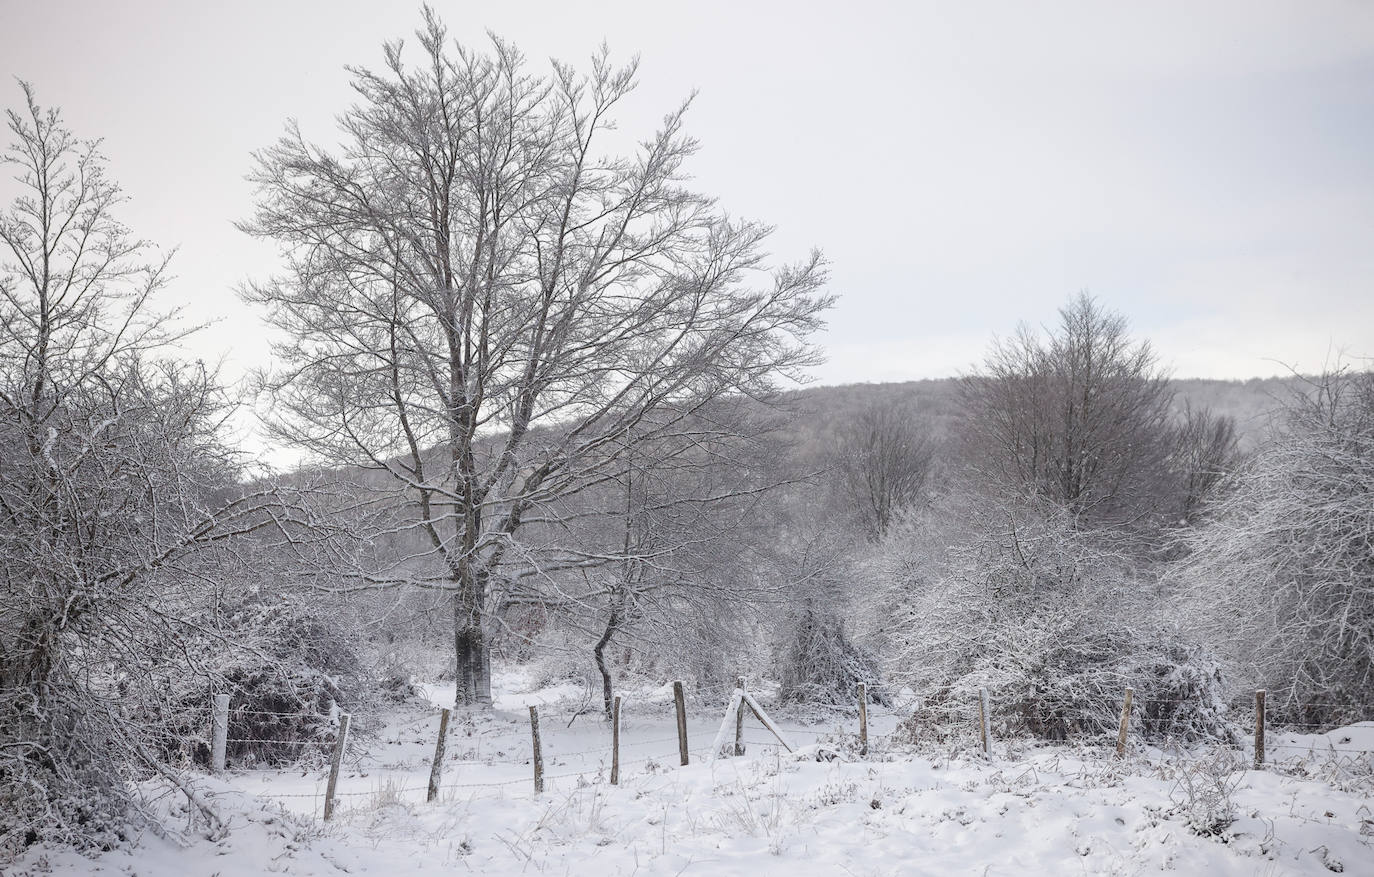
(1205,168)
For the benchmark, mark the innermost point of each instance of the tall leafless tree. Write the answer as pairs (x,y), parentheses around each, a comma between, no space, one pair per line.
(483,300)
(1206,450)
(1081,417)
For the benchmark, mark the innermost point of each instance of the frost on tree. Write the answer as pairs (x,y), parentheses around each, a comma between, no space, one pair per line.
(1281,576)
(117,497)
(486,294)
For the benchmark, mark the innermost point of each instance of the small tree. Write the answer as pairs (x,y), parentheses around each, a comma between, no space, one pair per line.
(882,459)
(115,491)
(482,305)
(688,534)
(1206,450)
(1081,418)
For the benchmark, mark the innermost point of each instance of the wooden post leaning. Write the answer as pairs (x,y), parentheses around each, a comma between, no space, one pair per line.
(436,772)
(340,744)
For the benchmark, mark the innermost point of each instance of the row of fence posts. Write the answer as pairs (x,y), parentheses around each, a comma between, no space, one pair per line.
(220,728)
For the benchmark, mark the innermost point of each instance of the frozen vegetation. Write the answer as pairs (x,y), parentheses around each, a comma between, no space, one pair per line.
(905,809)
(547,460)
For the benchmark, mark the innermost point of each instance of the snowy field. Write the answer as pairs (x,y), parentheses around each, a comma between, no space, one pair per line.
(936,810)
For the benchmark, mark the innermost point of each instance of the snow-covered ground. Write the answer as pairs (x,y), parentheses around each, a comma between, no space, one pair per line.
(1028,810)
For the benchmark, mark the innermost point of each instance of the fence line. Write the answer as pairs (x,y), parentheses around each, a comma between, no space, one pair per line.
(964,709)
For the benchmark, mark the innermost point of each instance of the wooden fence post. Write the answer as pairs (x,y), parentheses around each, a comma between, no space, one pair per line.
(615,742)
(985,720)
(1125,723)
(681,703)
(219,733)
(863,719)
(1259,729)
(436,773)
(339,744)
(739,722)
(538,753)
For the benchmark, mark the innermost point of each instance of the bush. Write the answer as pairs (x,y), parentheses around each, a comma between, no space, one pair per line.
(1204,791)
(1056,626)
(288,674)
(819,665)
(1075,687)
(1280,578)
(62,794)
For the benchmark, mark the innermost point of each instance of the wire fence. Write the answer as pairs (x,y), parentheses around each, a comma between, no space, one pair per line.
(363,770)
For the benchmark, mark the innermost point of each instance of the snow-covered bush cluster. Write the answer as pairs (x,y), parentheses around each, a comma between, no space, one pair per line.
(819,665)
(1281,576)
(1054,625)
(288,675)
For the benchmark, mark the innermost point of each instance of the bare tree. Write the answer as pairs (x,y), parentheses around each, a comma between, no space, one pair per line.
(1081,418)
(1206,450)
(883,459)
(1281,575)
(692,536)
(114,490)
(482,305)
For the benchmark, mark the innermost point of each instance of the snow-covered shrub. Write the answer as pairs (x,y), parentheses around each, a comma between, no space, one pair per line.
(122,497)
(65,796)
(288,675)
(559,658)
(818,664)
(1055,625)
(1281,576)
(817,661)
(1203,791)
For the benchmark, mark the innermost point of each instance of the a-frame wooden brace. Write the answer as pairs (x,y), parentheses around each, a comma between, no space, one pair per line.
(739,699)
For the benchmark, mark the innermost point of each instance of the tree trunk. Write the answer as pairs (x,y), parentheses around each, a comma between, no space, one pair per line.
(462,675)
(480,660)
(600,652)
(472,671)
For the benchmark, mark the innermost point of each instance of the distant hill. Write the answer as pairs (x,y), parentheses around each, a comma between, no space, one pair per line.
(819,411)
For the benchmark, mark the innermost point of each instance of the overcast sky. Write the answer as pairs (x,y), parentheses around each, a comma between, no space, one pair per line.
(1207,169)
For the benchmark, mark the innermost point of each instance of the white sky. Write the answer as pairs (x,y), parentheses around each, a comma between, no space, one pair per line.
(1207,169)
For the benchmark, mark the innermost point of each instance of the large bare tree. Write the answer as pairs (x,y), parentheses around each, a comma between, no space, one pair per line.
(488,292)
(1081,417)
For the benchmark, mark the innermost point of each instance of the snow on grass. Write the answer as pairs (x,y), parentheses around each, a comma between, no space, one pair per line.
(939,810)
